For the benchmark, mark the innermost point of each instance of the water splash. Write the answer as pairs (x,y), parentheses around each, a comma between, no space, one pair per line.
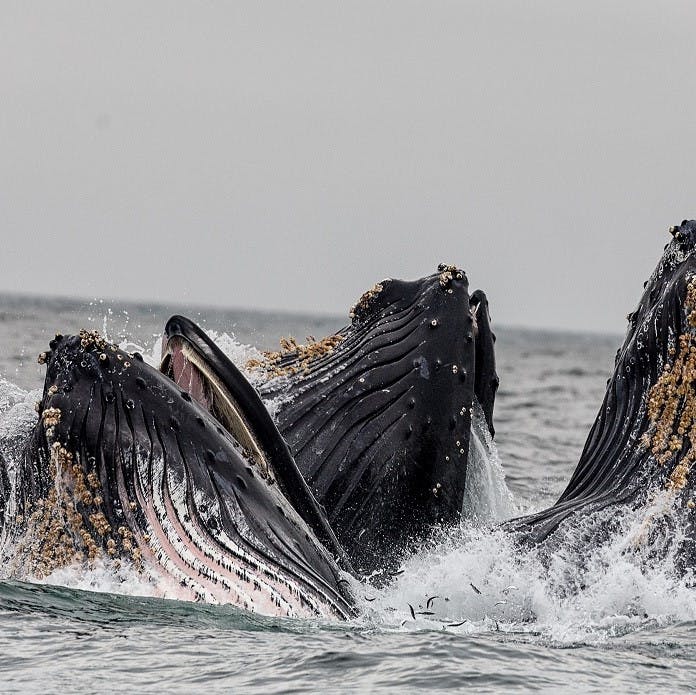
(487,498)
(473,580)
(104,576)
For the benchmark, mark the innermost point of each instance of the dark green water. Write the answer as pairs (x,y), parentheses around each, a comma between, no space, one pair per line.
(62,640)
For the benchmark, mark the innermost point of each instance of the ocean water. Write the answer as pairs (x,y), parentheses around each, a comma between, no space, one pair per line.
(469,610)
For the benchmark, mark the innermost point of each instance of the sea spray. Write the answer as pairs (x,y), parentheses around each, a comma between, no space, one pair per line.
(487,498)
(476,580)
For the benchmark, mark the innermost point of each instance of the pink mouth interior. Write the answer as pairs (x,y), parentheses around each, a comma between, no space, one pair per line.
(186,375)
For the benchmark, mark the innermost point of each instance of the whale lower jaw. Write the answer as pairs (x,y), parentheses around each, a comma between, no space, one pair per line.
(177,546)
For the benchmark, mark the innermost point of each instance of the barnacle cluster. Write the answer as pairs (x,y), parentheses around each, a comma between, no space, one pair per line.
(448,273)
(50,417)
(690,302)
(672,404)
(299,356)
(93,338)
(68,525)
(363,304)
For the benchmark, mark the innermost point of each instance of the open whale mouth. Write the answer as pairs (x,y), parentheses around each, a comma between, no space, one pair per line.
(181,364)
(187,367)
(380,410)
(197,365)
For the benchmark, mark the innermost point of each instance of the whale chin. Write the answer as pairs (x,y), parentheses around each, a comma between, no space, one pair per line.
(642,445)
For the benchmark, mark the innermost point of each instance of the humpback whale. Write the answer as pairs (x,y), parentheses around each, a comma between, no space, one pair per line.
(377,416)
(642,446)
(182,473)
(124,465)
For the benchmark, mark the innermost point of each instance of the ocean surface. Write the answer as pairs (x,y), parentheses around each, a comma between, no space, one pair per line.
(500,621)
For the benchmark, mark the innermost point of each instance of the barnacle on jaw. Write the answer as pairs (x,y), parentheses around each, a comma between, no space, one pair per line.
(672,404)
(447,273)
(93,480)
(50,417)
(92,338)
(300,356)
(363,304)
(53,525)
(690,301)
(67,525)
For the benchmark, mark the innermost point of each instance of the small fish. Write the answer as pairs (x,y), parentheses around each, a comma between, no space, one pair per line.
(500,603)
(510,588)
(456,624)
(475,588)
(426,613)
(403,622)
(413,613)
(396,574)
(370,598)
(430,600)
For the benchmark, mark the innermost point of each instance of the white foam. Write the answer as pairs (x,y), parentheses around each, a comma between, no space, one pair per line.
(104,577)
(577,593)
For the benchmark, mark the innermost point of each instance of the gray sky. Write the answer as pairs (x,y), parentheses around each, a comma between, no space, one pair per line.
(289,154)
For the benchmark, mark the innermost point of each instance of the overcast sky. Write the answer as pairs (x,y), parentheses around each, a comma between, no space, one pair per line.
(289,154)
